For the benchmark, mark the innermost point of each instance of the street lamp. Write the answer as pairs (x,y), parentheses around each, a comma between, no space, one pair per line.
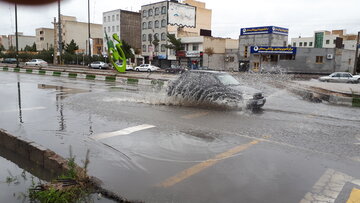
(60,33)
(16,36)
(89,28)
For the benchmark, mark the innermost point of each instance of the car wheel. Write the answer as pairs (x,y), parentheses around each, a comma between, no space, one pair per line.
(100,67)
(137,70)
(149,70)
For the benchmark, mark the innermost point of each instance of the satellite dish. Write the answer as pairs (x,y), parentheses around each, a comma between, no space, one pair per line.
(30,2)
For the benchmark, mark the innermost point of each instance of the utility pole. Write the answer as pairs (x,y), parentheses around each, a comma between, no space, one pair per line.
(17,39)
(89,28)
(55,44)
(60,34)
(356,53)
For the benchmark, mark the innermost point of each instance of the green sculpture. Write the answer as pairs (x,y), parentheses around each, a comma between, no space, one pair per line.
(116,53)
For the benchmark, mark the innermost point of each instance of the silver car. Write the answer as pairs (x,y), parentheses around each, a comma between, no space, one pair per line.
(99,65)
(343,77)
(36,62)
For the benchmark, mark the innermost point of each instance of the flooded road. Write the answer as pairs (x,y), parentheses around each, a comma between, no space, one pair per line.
(146,146)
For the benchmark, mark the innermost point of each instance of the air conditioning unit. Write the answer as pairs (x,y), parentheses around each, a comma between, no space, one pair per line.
(329,56)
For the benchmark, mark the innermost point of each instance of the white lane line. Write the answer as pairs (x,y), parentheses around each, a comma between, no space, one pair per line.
(125,131)
(26,109)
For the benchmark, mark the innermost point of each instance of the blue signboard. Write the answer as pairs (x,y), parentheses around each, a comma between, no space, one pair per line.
(264,30)
(160,56)
(272,50)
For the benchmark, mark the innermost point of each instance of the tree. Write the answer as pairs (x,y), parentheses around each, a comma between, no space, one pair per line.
(127,50)
(71,47)
(156,41)
(2,48)
(175,44)
(34,47)
(209,51)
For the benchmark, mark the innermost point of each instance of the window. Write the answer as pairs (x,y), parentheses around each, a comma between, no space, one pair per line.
(150,38)
(109,29)
(163,36)
(327,41)
(157,11)
(144,26)
(150,25)
(157,24)
(294,44)
(163,49)
(144,13)
(305,44)
(113,28)
(287,57)
(108,18)
(113,17)
(104,19)
(349,61)
(41,39)
(300,44)
(156,36)
(144,48)
(118,28)
(319,59)
(104,29)
(144,37)
(163,23)
(310,44)
(246,52)
(41,32)
(117,16)
(150,49)
(195,47)
(163,10)
(334,41)
(256,64)
(150,12)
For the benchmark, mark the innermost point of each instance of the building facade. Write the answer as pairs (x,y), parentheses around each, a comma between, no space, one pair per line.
(45,38)
(126,24)
(9,41)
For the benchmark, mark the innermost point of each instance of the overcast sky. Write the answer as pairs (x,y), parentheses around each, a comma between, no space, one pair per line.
(302,17)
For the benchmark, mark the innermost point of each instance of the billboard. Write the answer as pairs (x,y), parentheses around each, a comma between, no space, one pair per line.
(272,50)
(181,14)
(264,30)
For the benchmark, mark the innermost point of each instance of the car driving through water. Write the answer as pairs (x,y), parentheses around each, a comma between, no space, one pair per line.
(214,87)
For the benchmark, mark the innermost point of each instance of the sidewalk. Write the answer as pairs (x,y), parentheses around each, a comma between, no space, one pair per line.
(334,93)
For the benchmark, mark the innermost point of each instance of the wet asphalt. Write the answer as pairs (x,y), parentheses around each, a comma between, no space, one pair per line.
(191,153)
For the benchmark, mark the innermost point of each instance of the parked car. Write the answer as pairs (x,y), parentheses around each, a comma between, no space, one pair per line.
(99,65)
(128,67)
(146,67)
(9,60)
(175,69)
(215,87)
(36,62)
(343,77)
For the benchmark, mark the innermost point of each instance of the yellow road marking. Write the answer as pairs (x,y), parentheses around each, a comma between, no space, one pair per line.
(195,115)
(354,196)
(203,165)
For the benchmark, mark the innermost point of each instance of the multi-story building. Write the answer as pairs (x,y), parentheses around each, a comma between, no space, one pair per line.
(23,40)
(327,39)
(78,31)
(126,24)
(45,38)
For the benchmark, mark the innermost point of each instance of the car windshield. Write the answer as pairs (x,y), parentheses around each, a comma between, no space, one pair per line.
(226,79)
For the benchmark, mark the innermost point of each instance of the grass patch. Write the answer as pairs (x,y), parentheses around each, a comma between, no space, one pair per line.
(29,70)
(16,69)
(110,78)
(356,102)
(5,68)
(42,72)
(90,77)
(132,81)
(72,75)
(56,73)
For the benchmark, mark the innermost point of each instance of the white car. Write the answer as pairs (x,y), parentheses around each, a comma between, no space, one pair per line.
(146,67)
(343,77)
(99,65)
(36,62)
(128,67)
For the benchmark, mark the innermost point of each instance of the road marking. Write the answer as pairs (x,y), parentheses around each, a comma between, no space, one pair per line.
(195,115)
(354,196)
(125,131)
(206,164)
(328,187)
(26,109)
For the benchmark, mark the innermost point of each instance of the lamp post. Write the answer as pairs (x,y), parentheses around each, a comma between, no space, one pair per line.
(89,28)
(357,53)
(60,33)
(17,39)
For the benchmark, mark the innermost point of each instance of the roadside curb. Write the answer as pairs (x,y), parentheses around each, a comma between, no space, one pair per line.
(316,94)
(90,76)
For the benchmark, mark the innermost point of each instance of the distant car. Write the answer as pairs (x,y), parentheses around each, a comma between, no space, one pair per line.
(175,69)
(213,87)
(128,67)
(36,62)
(146,67)
(343,77)
(9,60)
(99,65)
